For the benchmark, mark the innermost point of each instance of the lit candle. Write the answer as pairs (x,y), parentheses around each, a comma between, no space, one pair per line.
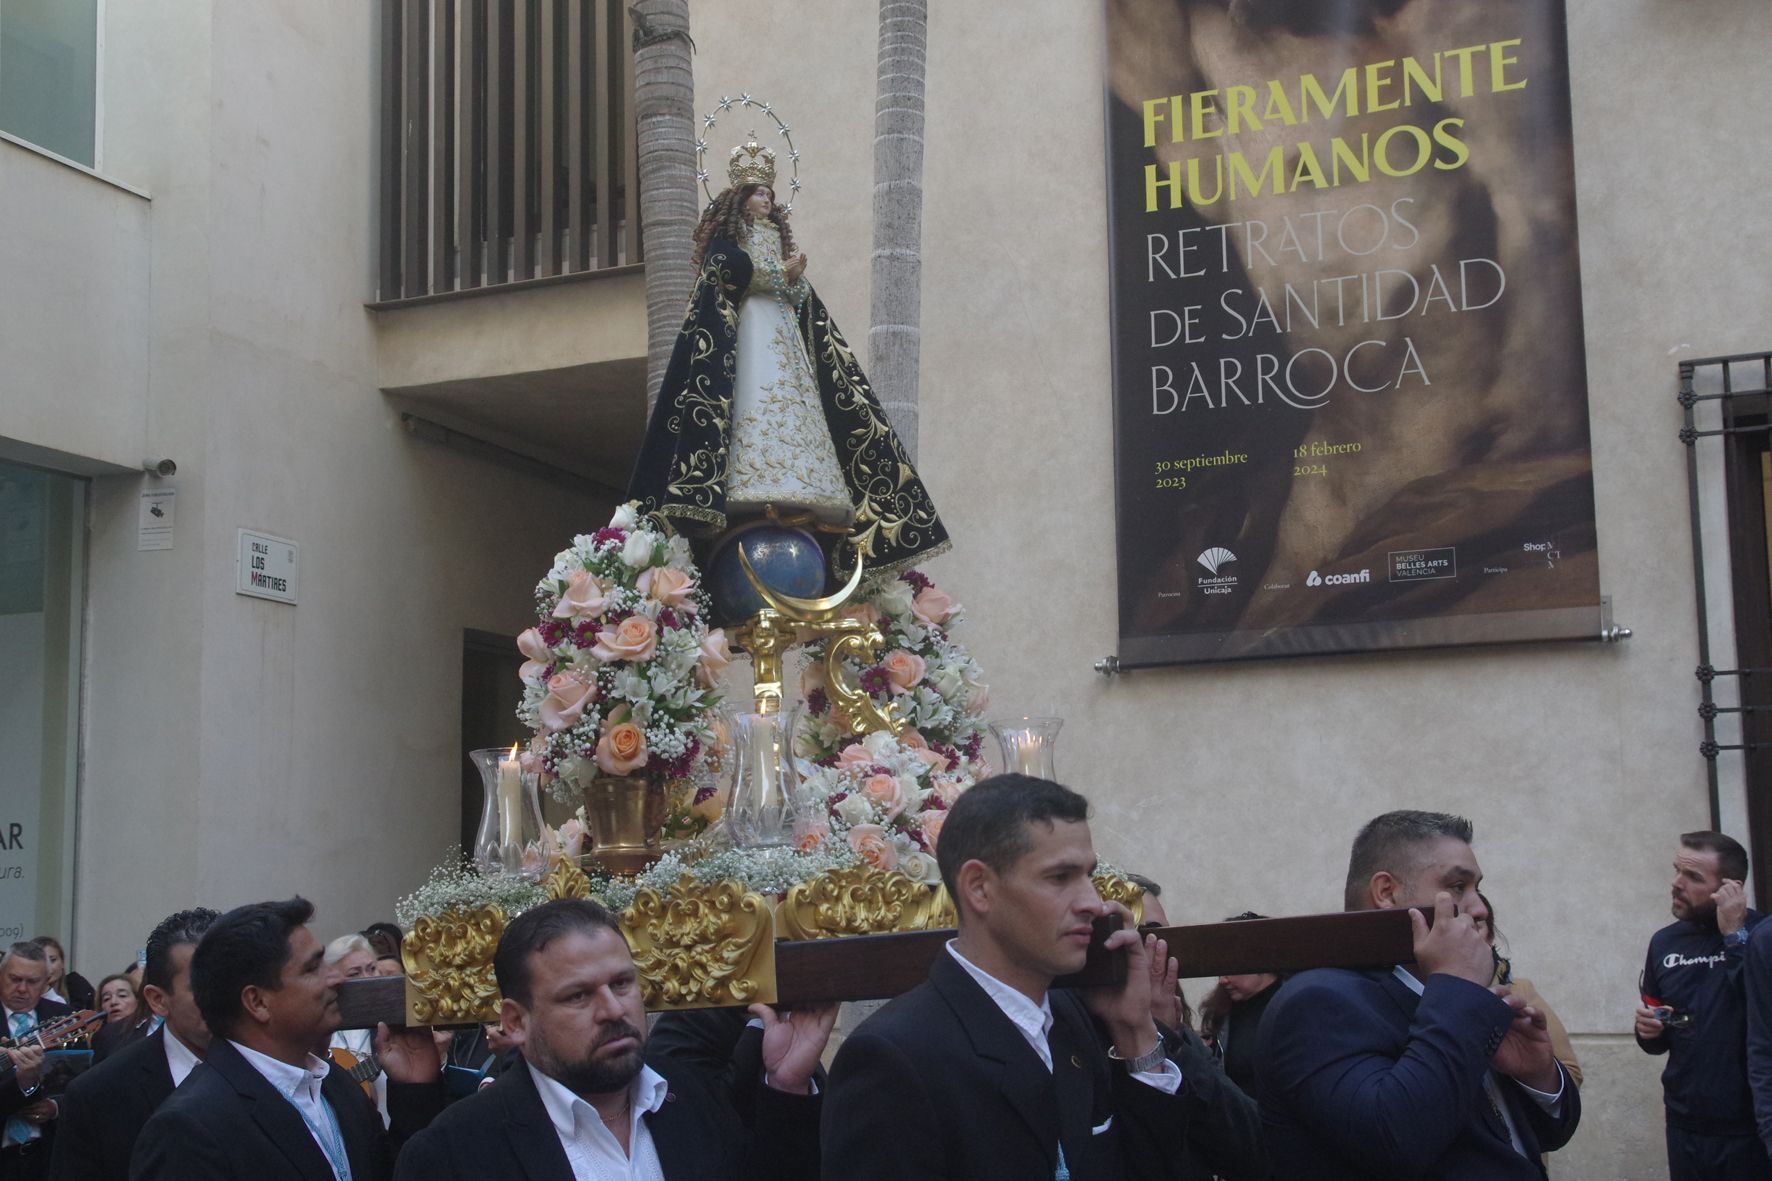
(510,788)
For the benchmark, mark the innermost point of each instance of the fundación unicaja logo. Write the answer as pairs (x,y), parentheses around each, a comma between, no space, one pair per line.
(1214,560)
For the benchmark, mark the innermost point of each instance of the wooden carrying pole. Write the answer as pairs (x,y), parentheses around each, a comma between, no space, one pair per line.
(874,967)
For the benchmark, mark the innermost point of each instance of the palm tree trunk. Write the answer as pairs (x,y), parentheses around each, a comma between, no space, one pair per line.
(664,107)
(895,332)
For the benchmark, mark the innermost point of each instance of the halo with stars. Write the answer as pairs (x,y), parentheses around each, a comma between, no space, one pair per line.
(746,102)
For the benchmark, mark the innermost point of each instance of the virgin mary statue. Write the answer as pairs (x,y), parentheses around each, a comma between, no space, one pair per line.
(763,410)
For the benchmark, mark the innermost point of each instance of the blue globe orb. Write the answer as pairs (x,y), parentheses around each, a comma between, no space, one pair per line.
(788,560)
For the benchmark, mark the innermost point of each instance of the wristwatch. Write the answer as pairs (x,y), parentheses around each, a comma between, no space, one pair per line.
(1144,1062)
(1737,937)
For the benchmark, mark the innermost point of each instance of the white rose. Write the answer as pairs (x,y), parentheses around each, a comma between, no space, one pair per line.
(637,551)
(910,787)
(880,743)
(895,598)
(919,867)
(854,809)
(625,517)
(947,681)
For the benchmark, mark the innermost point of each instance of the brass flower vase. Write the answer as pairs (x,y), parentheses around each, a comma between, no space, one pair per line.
(626,817)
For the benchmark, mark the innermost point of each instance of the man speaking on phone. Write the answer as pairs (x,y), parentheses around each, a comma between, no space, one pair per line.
(1694,1011)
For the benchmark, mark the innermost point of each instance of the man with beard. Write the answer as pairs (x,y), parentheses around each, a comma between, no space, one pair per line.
(588,1101)
(1421,1070)
(106,1108)
(263,1106)
(1694,1011)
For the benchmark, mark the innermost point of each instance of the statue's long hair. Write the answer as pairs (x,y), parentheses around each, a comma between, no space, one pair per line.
(726,218)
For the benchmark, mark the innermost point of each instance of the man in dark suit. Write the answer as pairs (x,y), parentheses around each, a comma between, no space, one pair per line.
(106,1108)
(263,1107)
(588,1094)
(1422,1070)
(28,1114)
(983,1073)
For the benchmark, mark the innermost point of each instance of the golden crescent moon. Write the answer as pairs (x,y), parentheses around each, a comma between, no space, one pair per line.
(794,607)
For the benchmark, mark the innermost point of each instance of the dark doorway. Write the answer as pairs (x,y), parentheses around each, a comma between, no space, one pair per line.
(490,691)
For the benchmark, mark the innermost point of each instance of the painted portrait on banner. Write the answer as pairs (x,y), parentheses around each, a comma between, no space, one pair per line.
(1349,378)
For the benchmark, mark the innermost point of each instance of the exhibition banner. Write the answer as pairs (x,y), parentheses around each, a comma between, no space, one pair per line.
(1350,395)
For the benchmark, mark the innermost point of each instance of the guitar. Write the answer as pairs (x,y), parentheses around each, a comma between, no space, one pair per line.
(48,1036)
(362,1069)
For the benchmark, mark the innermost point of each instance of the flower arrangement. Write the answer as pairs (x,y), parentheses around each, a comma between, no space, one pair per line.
(457,885)
(883,800)
(929,676)
(620,671)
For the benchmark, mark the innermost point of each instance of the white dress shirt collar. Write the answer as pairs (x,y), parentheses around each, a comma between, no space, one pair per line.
(1033,1022)
(591,1148)
(179,1058)
(292,1082)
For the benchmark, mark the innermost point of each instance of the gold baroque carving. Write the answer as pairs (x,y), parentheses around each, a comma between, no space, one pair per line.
(449,966)
(1121,890)
(566,880)
(697,945)
(942,912)
(855,901)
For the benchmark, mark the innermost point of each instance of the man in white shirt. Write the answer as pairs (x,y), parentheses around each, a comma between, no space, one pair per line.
(983,1071)
(587,1102)
(263,1100)
(104,1109)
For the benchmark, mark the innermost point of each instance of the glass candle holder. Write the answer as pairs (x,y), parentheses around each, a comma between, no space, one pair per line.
(509,838)
(1027,745)
(765,783)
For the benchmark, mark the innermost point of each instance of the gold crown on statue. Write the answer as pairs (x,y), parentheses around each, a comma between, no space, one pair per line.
(751,164)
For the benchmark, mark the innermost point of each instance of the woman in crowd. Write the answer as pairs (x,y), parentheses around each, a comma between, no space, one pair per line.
(1561,1047)
(69,988)
(126,1018)
(354,1049)
(1231,1014)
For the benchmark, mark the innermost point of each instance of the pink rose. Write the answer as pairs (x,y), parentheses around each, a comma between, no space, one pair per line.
(572,838)
(634,638)
(540,658)
(932,606)
(568,694)
(919,746)
(870,841)
(903,669)
(622,749)
(585,595)
(668,586)
(948,789)
(853,755)
(885,792)
(978,697)
(866,612)
(932,822)
(716,654)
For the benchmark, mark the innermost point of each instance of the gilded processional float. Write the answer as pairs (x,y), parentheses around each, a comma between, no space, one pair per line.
(776,849)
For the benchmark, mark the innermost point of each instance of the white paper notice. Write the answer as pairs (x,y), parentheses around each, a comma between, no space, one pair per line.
(153,527)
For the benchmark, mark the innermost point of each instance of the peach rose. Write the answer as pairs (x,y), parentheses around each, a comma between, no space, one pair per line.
(978,697)
(866,612)
(568,694)
(903,669)
(884,791)
(716,654)
(634,638)
(585,595)
(948,789)
(919,746)
(572,838)
(810,834)
(711,808)
(622,749)
(668,586)
(853,755)
(538,656)
(932,606)
(932,822)
(871,842)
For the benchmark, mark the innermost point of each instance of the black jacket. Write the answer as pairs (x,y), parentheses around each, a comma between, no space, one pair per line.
(1693,969)
(1220,1122)
(940,1084)
(105,1110)
(227,1123)
(504,1132)
(1362,1079)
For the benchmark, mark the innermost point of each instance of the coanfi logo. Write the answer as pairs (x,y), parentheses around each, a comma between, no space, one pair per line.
(1316,579)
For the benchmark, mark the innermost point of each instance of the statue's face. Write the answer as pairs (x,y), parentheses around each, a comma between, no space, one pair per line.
(759,203)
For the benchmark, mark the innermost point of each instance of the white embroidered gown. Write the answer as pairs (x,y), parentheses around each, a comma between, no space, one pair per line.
(781,449)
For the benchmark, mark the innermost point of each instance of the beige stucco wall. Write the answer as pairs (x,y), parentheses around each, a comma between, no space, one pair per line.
(1241,786)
